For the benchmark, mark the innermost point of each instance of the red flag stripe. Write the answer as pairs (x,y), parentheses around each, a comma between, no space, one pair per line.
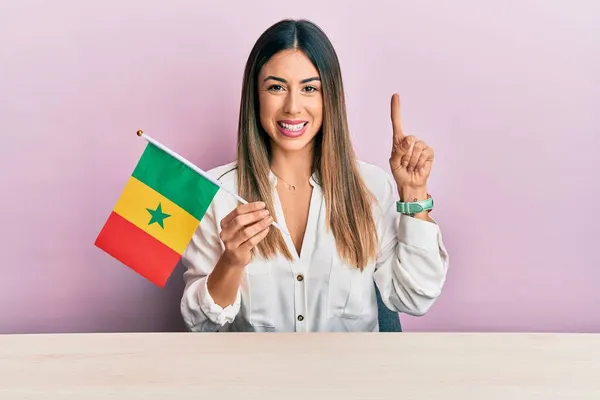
(137,249)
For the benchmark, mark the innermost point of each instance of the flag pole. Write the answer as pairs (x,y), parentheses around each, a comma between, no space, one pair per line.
(201,172)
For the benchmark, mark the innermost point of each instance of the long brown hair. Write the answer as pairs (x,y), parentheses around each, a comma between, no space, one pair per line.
(348,201)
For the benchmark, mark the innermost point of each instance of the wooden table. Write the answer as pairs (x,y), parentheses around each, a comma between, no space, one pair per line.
(402,366)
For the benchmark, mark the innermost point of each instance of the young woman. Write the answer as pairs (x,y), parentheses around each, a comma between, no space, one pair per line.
(351,225)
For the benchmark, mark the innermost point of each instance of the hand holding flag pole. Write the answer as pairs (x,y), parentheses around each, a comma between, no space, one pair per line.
(201,172)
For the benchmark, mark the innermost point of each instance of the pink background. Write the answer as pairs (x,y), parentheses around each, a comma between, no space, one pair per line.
(505,91)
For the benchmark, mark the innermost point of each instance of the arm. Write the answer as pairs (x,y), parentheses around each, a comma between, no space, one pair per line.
(412,263)
(215,262)
(203,259)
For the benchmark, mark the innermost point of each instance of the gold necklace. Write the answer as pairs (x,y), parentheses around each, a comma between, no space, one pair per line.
(290,186)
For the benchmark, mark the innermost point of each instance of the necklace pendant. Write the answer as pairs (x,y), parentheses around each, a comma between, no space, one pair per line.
(292,187)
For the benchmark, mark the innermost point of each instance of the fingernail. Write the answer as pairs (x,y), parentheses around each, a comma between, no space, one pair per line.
(405,145)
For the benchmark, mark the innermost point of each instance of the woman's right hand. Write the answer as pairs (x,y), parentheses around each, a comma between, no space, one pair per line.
(242,229)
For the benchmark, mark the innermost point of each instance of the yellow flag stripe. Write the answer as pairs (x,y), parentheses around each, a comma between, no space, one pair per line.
(139,202)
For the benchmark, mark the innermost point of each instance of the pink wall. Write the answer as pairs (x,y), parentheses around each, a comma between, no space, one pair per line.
(505,91)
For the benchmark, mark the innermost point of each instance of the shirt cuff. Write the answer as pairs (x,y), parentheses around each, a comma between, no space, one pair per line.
(418,233)
(215,312)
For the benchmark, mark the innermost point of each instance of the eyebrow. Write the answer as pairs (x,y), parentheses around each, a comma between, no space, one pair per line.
(275,78)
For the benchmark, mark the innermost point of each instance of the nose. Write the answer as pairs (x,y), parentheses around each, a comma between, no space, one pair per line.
(292,103)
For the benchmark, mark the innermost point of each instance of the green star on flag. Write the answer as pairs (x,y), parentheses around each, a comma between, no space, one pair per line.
(158,216)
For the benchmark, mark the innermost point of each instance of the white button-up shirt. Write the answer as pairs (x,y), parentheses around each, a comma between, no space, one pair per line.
(317,291)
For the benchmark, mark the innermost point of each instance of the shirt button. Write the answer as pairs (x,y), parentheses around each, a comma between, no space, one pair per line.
(300,278)
(300,318)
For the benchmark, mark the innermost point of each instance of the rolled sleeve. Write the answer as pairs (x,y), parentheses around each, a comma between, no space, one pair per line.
(215,312)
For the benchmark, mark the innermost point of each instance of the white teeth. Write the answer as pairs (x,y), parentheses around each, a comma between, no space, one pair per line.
(293,128)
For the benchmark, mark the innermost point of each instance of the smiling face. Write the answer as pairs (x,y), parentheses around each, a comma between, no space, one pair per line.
(290,100)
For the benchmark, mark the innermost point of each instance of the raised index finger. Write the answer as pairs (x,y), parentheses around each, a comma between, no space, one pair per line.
(396,118)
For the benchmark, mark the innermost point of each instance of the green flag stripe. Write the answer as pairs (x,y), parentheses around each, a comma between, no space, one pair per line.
(175,180)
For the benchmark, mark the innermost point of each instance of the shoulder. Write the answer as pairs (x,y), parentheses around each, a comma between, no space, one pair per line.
(382,186)
(224,202)
(378,181)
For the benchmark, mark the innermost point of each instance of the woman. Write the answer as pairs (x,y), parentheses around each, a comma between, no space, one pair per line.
(296,166)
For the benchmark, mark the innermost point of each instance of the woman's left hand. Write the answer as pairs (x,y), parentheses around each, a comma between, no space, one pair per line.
(411,160)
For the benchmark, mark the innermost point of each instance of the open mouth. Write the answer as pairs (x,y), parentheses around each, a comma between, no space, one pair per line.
(292,128)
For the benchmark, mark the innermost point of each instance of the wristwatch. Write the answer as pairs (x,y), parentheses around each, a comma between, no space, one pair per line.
(414,207)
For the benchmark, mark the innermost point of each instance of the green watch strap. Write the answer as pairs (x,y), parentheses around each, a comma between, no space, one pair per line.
(414,207)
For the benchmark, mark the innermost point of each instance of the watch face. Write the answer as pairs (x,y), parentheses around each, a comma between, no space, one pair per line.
(415,208)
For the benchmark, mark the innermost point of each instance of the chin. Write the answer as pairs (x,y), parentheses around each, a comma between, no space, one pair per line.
(291,147)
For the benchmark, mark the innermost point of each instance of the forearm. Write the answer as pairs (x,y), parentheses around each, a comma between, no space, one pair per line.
(224,281)
(410,194)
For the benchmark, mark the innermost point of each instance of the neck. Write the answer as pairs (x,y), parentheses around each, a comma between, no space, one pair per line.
(293,167)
